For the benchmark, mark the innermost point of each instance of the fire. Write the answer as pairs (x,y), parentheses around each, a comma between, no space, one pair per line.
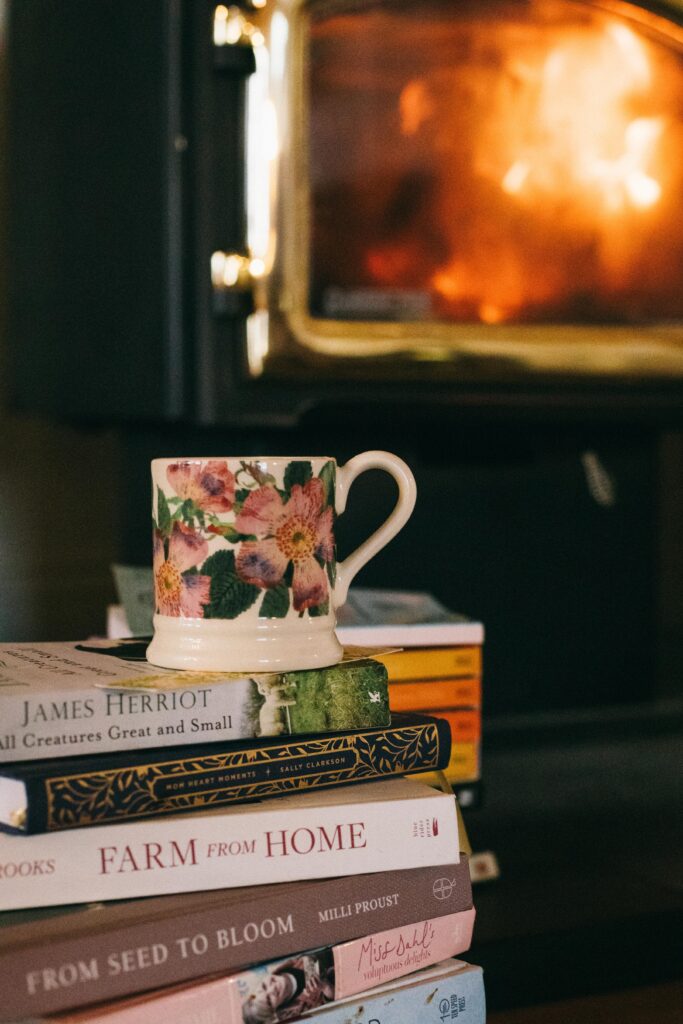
(567,142)
(522,165)
(583,142)
(415,106)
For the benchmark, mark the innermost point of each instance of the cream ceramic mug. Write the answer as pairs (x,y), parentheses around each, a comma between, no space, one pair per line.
(246,576)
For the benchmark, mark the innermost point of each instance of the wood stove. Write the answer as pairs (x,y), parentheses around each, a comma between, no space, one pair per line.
(468,206)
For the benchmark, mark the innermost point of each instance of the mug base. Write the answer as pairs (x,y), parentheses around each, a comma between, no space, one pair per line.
(211,645)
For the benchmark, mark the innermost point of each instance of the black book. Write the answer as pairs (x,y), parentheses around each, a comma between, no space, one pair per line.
(71,792)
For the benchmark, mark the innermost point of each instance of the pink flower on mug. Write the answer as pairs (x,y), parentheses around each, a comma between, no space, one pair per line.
(210,485)
(297,531)
(175,593)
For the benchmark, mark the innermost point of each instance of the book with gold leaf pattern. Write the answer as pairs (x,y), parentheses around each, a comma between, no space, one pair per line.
(65,793)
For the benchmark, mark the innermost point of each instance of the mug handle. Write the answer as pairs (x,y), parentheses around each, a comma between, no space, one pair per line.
(407,492)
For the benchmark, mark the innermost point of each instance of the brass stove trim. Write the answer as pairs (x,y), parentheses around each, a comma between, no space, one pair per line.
(281,333)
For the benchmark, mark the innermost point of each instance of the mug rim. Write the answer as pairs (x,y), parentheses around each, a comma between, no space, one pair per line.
(243,458)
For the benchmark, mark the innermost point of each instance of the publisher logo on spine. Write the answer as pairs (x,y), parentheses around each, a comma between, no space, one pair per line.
(442,889)
(450,1009)
(425,828)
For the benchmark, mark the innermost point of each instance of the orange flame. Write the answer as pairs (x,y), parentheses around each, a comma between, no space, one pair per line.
(519,164)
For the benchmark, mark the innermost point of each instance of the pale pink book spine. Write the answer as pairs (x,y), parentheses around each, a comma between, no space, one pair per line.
(358,966)
(364,963)
(206,1002)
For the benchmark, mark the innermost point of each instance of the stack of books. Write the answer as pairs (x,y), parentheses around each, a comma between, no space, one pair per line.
(203,848)
(438,668)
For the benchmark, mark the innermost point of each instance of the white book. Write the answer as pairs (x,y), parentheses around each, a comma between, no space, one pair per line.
(365,827)
(73,698)
(402,618)
(373,617)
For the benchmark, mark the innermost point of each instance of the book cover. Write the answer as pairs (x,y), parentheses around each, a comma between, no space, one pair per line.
(65,793)
(70,699)
(77,955)
(285,989)
(399,618)
(377,826)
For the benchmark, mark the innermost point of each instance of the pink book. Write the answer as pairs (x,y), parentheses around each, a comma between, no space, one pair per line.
(283,990)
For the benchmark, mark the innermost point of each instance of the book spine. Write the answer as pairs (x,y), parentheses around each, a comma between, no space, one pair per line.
(433,662)
(59,973)
(376,959)
(280,842)
(434,694)
(331,973)
(464,765)
(145,711)
(213,1002)
(465,724)
(163,787)
(94,720)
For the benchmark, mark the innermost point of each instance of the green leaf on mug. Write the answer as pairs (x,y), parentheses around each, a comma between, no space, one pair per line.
(327,475)
(163,513)
(297,473)
(228,531)
(275,604)
(229,595)
(331,568)
(319,609)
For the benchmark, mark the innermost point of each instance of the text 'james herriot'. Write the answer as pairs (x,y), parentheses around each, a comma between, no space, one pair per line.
(117,703)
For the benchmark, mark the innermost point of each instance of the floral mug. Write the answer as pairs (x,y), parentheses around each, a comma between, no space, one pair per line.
(246,576)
